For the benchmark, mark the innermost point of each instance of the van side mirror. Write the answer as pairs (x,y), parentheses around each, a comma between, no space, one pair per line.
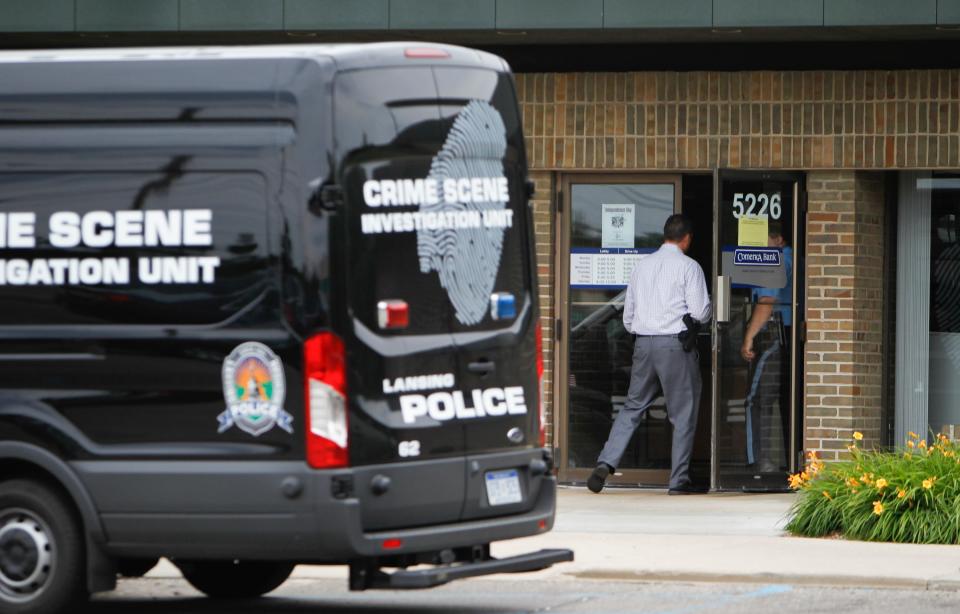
(530,189)
(327,197)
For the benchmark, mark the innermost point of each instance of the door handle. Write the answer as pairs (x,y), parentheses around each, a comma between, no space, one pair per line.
(481,366)
(723,298)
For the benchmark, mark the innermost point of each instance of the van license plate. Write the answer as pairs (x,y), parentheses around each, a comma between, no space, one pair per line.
(503,487)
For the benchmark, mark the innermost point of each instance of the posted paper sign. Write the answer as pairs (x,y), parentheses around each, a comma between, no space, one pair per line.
(617,226)
(752,231)
(603,268)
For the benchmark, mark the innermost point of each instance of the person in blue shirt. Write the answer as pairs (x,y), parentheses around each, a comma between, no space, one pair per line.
(766,348)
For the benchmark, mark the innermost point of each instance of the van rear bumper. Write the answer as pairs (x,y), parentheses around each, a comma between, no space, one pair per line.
(459,534)
(268,511)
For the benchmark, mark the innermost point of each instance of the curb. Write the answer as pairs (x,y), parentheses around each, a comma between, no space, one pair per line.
(946,583)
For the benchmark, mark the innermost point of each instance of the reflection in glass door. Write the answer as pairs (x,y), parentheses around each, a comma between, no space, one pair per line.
(755,417)
(612,225)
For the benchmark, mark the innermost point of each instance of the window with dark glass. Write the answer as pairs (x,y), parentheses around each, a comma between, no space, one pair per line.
(204,272)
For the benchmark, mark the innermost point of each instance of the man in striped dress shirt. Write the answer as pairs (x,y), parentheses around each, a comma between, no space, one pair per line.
(664,286)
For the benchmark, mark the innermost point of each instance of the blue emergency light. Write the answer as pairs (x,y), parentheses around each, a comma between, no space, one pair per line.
(503,306)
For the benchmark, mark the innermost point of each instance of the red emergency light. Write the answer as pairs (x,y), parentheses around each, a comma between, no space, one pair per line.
(426,53)
(393,313)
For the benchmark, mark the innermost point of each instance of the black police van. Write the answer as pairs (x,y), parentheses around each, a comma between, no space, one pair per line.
(260,307)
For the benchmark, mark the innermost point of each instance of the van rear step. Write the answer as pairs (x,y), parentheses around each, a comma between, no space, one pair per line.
(363,576)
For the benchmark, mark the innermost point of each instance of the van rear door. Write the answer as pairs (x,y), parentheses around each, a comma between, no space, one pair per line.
(498,352)
(442,302)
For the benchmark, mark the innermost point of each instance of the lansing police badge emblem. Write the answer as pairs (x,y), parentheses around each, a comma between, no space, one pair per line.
(253,387)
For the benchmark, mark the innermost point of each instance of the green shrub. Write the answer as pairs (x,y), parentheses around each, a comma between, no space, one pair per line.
(909,495)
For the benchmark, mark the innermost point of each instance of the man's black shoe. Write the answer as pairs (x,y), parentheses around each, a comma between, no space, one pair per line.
(686,489)
(598,478)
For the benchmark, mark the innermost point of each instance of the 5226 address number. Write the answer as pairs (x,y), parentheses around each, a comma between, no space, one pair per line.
(747,205)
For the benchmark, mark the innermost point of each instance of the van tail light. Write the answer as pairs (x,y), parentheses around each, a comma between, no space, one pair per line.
(325,383)
(540,390)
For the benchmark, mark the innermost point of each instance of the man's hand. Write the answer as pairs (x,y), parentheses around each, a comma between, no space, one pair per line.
(762,312)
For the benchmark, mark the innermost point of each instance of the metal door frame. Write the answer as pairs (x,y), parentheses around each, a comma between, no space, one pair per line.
(561,371)
(797,337)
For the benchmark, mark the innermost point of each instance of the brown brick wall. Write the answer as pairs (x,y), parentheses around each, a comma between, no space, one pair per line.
(703,120)
(837,122)
(844,357)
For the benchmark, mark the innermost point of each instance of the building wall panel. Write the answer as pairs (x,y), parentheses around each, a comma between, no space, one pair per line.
(128,15)
(539,14)
(657,14)
(336,15)
(37,16)
(759,13)
(231,14)
(879,12)
(442,14)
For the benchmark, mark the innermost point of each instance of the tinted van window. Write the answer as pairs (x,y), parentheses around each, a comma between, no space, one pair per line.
(435,193)
(143,248)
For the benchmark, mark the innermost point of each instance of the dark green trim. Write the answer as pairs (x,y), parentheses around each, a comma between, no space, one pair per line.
(560,14)
(948,12)
(493,21)
(128,15)
(37,16)
(879,12)
(231,14)
(442,14)
(658,14)
(769,13)
(336,14)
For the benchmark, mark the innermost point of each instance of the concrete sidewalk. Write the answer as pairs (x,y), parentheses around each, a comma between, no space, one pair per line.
(645,535)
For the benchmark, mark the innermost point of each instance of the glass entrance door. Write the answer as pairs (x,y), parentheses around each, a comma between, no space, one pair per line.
(613,223)
(755,299)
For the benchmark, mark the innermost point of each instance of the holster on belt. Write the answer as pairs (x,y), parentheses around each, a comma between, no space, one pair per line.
(689,337)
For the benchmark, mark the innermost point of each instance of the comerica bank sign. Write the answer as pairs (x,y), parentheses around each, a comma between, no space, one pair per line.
(756,256)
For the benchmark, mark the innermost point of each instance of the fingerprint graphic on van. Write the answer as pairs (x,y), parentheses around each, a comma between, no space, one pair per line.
(467,259)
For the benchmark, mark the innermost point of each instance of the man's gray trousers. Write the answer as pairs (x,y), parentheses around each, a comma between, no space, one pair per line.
(660,363)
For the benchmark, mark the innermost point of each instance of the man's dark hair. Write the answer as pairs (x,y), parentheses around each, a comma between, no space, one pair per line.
(677,227)
(775,229)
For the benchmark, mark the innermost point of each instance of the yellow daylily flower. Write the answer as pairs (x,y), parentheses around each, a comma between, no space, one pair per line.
(881,483)
(901,494)
(877,508)
(928,484)
(909,444)
(857,435)
(923,443)
(913,435)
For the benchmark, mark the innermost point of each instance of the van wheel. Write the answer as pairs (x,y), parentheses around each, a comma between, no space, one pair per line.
(41,551)
(235,579)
